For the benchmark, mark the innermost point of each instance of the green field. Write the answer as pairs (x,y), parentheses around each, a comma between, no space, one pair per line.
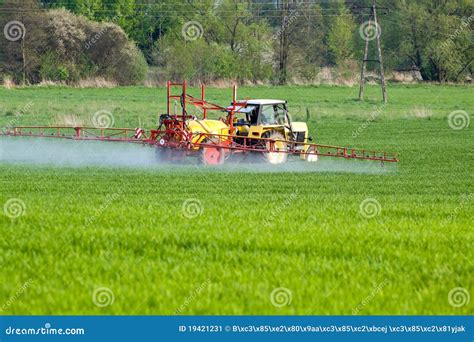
(124,228)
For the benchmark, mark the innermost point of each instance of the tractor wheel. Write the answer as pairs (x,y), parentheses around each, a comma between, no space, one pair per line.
(311,158)
(275,157)
(210,155)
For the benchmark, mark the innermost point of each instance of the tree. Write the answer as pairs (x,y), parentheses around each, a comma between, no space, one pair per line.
(436,38)
(307,51)
(228,44)
(20,20)
(341,38)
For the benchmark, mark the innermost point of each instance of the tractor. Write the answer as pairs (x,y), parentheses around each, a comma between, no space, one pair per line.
(252,125)
(269,119)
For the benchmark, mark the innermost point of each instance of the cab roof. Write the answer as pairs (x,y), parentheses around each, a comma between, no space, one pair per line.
(264,102)
(241,109)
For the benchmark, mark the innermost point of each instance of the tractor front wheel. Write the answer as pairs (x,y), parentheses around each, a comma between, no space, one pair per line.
(276,149)
(311,155)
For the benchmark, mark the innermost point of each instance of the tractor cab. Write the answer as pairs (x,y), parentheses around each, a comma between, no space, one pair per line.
(256,117)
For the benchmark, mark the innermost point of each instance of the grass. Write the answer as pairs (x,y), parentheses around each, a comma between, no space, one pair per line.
(124,228)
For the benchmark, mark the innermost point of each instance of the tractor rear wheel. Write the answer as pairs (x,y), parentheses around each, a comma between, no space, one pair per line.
(210,155)
(275,157)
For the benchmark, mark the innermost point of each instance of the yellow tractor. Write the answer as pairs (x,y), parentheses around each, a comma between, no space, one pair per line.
(269,119)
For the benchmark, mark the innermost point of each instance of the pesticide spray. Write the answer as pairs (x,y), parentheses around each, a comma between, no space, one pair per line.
(71,153)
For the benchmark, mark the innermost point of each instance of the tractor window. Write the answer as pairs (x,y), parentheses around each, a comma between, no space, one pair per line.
(252,114)
(267,117)
(280,114)
(249,112)
(273,114)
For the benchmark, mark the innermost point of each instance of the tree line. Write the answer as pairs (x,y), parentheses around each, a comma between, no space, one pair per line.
(278,41)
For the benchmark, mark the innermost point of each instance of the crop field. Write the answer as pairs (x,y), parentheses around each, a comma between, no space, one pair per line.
(335,237)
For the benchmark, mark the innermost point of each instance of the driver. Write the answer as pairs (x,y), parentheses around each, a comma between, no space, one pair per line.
(253,116)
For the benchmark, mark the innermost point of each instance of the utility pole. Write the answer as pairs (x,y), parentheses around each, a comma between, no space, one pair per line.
(23,54)
(372,23)
(283,43)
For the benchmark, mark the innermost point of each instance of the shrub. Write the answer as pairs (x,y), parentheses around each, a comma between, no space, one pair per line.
(61,46)
(114,55)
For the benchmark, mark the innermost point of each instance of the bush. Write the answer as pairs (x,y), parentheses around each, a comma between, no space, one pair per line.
(61,46)
(114,55)
(52,69)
